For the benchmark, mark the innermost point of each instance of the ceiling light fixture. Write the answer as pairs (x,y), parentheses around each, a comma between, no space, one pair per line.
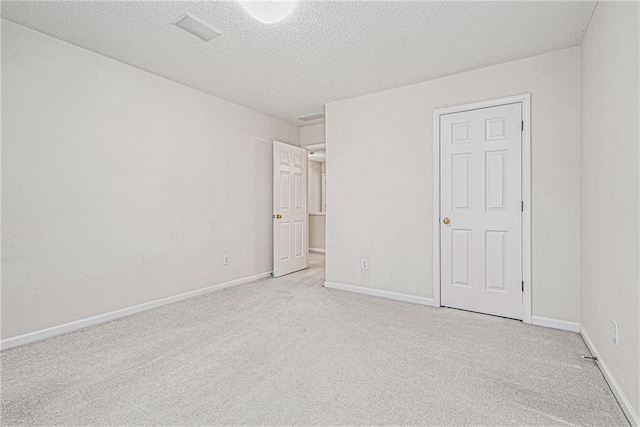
(269,11)
(197,27)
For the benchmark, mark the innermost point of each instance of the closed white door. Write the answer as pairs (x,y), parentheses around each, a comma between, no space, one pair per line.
(290,246)
(481,210)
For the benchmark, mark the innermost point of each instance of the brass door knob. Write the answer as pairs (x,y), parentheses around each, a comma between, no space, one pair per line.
(278,216)
(446,220)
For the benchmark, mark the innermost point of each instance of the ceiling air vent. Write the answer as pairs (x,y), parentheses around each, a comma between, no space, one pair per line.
(197,27)
(311,117)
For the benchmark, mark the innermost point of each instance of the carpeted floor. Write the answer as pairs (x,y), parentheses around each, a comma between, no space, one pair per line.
(288,351)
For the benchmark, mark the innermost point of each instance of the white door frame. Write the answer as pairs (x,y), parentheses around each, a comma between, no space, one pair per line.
(525,101)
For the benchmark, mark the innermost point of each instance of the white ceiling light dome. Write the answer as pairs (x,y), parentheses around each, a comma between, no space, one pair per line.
(269,11)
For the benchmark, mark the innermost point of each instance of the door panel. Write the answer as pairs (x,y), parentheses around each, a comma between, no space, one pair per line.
(495,258)
(284,241)
(298,229)
(481,175)
(284,190)
(290,246)
(461,248)
(299,190)
(461,181)
(496,181)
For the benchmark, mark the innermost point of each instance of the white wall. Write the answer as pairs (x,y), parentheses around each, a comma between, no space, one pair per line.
(314,134)
(610,214)
(317,231)
(379,191)
(120,187)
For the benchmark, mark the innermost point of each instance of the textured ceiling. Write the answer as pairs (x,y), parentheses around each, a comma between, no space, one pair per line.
(322,52)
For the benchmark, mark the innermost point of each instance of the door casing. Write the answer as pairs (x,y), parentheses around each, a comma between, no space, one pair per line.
(525,101)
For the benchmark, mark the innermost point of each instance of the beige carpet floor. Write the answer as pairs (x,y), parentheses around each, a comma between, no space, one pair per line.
(288,351)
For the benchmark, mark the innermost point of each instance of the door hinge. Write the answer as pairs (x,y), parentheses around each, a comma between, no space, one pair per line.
(522,125)
(522,206)
(523,286)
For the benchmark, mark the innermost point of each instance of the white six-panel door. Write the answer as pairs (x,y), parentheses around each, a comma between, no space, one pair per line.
(480,210)
(290,220)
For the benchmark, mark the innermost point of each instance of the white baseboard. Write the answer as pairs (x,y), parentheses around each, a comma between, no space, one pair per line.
(555,323)
(317,250)
(380,293)
(624,402)
(105,317)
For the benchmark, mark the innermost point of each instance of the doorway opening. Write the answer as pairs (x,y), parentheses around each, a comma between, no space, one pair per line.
(317,202)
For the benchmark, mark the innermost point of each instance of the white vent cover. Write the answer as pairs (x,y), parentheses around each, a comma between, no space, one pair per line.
(312,117)
(195,26)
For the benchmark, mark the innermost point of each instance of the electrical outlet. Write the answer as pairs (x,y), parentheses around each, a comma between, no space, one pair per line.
(226,260)
(616,337)
(365,264)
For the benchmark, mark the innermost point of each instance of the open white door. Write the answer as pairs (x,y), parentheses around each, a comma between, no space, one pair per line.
(481,210)
(290,219)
